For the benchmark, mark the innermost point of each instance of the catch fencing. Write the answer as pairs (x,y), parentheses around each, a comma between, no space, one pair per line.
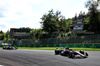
(74,41)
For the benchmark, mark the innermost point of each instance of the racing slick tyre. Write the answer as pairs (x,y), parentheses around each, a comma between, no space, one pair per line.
(86,54)
(81,51)
(57,52)
(4,48)
(71,55)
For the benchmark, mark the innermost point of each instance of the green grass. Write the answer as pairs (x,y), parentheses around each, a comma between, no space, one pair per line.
(53,48)
(87,49)
(38,48)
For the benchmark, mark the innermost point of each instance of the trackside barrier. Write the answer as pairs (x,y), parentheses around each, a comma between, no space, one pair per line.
(61,45)
(36,45)
(81,45)
(60,40)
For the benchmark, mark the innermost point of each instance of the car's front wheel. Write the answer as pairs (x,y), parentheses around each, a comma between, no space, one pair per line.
(71,55)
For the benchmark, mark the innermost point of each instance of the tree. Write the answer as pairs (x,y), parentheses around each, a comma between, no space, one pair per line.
(1,36)
(49,22)
(1,32)
(94,20)
(65,25)
(7,35)
(36,33)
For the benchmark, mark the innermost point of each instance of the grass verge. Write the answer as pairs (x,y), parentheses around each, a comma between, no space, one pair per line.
(53,48)
(38,48)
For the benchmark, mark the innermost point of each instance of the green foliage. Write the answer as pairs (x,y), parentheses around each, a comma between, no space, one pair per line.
(71,33)
(49,23)
(1,32)
(94,16)
(6,35)
(1,36)
(64,25)
(54,24)
(36,33)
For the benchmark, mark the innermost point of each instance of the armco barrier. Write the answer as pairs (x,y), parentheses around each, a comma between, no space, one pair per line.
(64,45)
(96,45)
(80,45)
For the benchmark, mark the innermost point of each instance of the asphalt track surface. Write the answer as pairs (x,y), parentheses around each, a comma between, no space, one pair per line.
(26,57)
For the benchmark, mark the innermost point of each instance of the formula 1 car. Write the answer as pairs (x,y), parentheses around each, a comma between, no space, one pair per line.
(70,53)
(9,48)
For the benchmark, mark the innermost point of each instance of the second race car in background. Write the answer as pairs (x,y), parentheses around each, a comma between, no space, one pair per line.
(9,48)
